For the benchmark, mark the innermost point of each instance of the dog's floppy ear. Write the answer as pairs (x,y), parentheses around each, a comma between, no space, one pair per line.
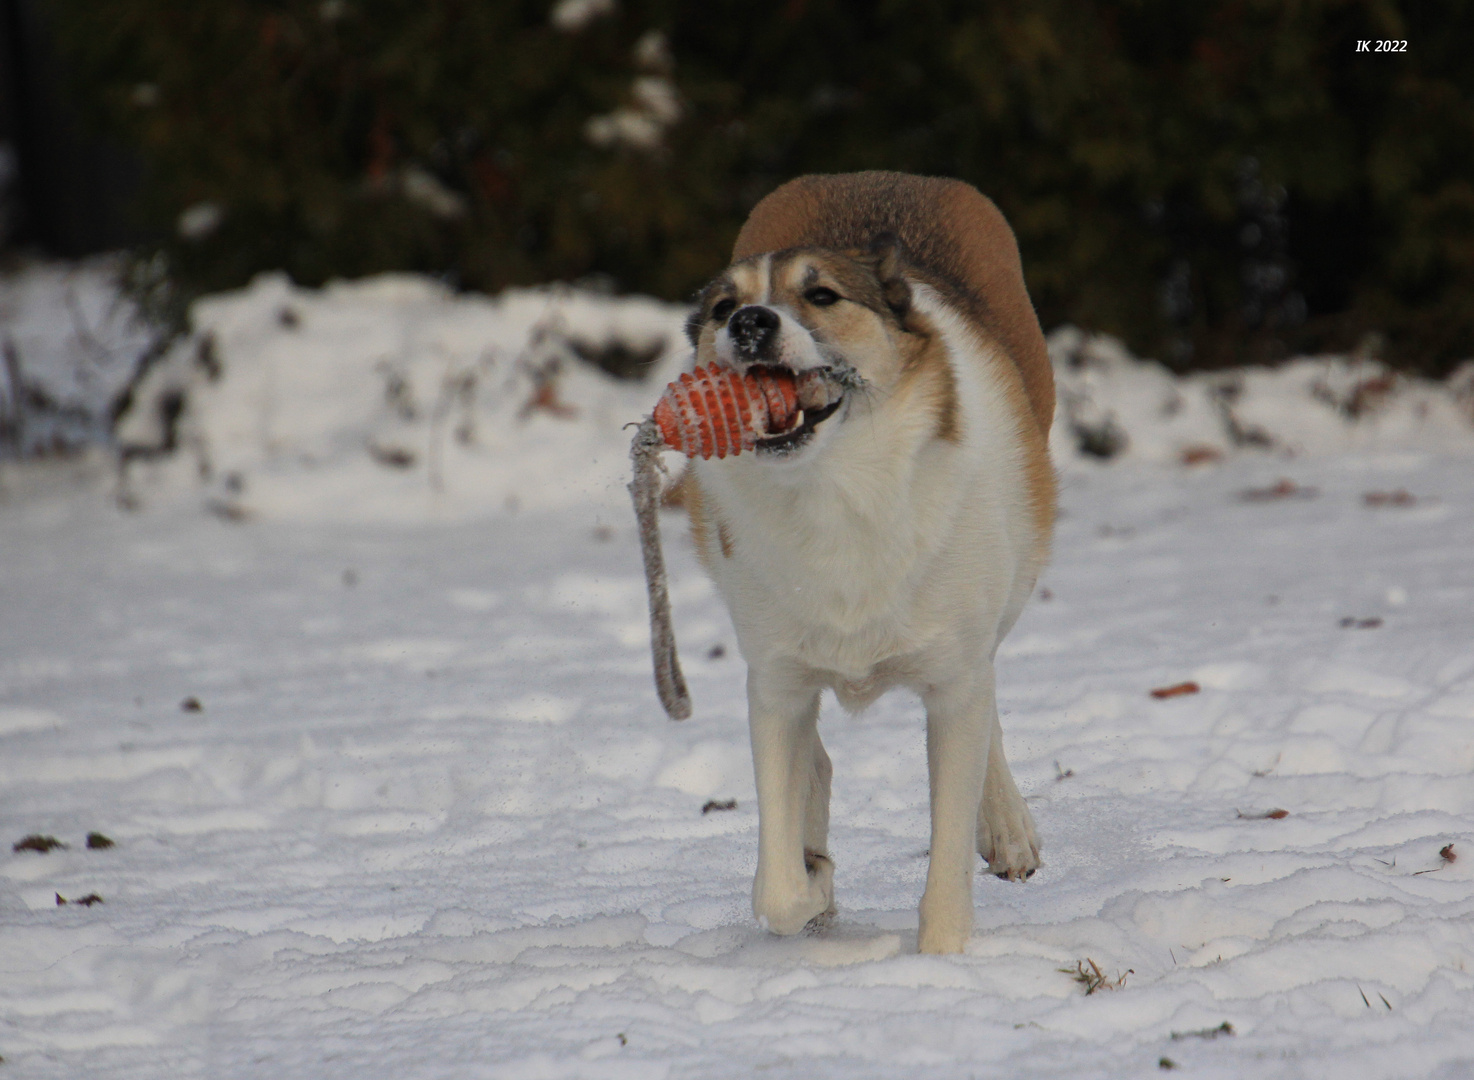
(889,260)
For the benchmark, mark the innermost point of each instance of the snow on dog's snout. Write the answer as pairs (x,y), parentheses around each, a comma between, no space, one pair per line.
(761,329)
(769,336)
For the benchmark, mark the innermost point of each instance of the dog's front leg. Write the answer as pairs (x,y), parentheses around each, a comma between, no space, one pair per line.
(795,879)
(958,731)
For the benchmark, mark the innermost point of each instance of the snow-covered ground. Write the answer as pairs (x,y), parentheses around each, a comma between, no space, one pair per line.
(360,688)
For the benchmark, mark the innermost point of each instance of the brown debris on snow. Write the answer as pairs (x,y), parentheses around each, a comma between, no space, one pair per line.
(1400,497)
(1092,978)
(1284,489)
(1200,454)
(1224,1028)
(84,901)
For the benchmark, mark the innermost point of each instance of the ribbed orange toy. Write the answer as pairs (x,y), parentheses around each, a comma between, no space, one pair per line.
(715,410)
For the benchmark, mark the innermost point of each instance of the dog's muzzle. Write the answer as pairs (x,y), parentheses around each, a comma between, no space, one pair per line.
(754,329)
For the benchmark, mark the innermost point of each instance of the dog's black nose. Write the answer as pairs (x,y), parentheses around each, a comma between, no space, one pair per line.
(753,330)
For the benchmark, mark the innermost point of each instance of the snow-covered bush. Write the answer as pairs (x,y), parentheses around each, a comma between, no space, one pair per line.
(1112,404)
(394,395)
(70,345)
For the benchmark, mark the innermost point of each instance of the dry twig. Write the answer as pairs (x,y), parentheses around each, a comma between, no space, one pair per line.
(1224,1028)
(1092,978)
(1447,854)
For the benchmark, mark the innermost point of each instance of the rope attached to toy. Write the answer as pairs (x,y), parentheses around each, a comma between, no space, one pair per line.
(644,489)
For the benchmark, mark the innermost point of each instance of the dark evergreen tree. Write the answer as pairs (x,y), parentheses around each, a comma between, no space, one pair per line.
(1215,182)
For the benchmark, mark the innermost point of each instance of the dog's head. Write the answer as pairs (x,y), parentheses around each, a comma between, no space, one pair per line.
(844,317)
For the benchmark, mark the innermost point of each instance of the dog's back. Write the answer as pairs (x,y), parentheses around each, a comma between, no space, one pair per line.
(953,237)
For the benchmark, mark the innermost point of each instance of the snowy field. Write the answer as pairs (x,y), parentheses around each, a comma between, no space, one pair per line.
(360,689)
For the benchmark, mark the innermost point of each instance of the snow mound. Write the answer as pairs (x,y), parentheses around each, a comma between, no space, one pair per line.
(1114,405)
(393,398)
(70,343)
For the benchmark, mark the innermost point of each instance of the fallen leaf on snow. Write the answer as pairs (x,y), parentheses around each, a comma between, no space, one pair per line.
(1400,497)
(1284,489)
(1200,454)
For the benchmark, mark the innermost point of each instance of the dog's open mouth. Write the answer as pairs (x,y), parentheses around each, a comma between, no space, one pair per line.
(819,398)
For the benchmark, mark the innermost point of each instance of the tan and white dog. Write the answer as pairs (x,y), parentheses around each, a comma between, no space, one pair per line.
(892,537)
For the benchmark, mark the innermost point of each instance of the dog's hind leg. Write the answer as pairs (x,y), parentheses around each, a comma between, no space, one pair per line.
(958,731)
(1006,836)
(816,826)
(795,878)
(816,812)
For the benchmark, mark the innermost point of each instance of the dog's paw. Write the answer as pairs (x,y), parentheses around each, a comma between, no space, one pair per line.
(946,921)
(821,872)
(812,904)
(942,941)
(1007,840)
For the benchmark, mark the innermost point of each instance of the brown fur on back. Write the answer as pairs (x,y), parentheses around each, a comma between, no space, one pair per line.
(953,236)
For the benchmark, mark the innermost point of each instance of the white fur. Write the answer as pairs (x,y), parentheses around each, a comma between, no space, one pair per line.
(880,556)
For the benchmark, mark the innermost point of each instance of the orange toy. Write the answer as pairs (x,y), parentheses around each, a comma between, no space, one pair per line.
(715,410)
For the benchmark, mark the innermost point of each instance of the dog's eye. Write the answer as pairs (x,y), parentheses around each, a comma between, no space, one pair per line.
(722,308)
(821,297)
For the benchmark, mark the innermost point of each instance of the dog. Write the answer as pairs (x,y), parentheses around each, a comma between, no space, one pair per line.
(893,535)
